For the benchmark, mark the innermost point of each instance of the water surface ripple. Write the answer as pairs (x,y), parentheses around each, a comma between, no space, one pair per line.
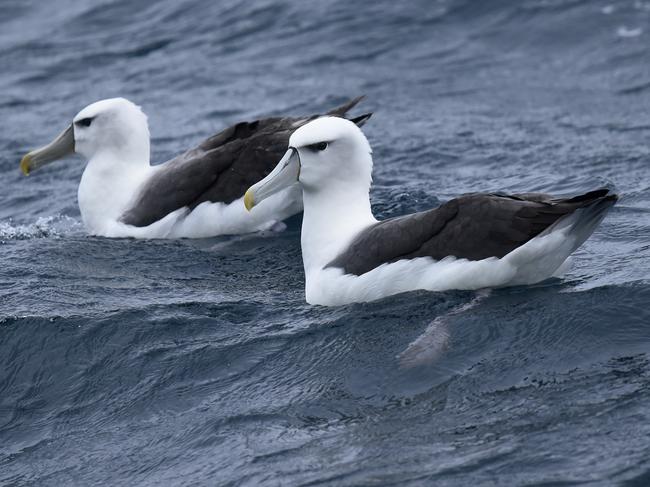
(198,363)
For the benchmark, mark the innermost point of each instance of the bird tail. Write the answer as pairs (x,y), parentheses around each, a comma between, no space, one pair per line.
(590,210)
(361,119)
(341,111)
(346,107)
(542,256)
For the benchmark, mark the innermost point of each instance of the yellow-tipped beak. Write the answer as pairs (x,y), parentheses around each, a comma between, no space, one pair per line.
(249,200)
(284,175)
(25,164)
(60,147)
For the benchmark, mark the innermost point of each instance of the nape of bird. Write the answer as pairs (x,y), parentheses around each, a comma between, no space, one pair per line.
(193,195)
(475,241)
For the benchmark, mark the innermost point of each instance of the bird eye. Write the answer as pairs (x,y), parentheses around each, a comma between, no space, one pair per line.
(84,122)
(320,146)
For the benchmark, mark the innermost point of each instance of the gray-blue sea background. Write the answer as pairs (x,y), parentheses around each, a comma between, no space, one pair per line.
(197,362)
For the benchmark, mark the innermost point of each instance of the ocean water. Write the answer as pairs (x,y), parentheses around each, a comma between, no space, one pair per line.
(197,362)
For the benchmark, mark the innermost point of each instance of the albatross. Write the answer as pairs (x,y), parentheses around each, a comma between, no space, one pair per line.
(475,241)
(197,194)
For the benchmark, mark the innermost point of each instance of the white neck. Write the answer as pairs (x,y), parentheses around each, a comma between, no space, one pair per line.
(109,184)
(332,218)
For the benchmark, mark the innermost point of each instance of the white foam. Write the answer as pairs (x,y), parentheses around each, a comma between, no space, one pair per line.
(48,226)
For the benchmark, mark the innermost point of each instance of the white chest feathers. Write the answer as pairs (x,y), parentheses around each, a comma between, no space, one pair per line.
(107,188)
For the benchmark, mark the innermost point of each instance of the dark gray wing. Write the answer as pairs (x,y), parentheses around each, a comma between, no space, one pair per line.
(474,227)
(221,168)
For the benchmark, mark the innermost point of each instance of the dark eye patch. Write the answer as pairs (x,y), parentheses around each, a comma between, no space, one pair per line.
(84,122)
(319,146)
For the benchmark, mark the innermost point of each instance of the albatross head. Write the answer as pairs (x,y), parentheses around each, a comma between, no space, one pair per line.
(326,154)
(115,127)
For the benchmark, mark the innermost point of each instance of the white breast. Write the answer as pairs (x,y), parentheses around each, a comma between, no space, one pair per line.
(106,190)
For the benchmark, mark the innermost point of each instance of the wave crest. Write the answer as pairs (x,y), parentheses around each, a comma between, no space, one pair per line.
(43,227)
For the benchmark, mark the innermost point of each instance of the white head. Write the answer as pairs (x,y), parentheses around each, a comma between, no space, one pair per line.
(114,126)
(325,155)
(332,151)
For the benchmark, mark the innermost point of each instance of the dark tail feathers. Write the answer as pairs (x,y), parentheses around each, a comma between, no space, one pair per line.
(342,110)
(595,196)
(584,213)
(361,119)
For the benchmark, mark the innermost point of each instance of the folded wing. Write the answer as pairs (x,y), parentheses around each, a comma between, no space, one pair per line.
(473,227)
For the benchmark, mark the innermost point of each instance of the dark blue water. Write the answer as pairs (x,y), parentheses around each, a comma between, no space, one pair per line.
(198,363)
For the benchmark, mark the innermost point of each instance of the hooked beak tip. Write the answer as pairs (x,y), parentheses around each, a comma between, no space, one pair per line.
(25,164)
(249,200)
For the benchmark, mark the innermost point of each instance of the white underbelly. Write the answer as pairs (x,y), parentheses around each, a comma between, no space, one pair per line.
(210,219)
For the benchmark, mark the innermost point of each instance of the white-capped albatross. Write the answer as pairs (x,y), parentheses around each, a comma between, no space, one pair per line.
(196,194)
(472,242)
